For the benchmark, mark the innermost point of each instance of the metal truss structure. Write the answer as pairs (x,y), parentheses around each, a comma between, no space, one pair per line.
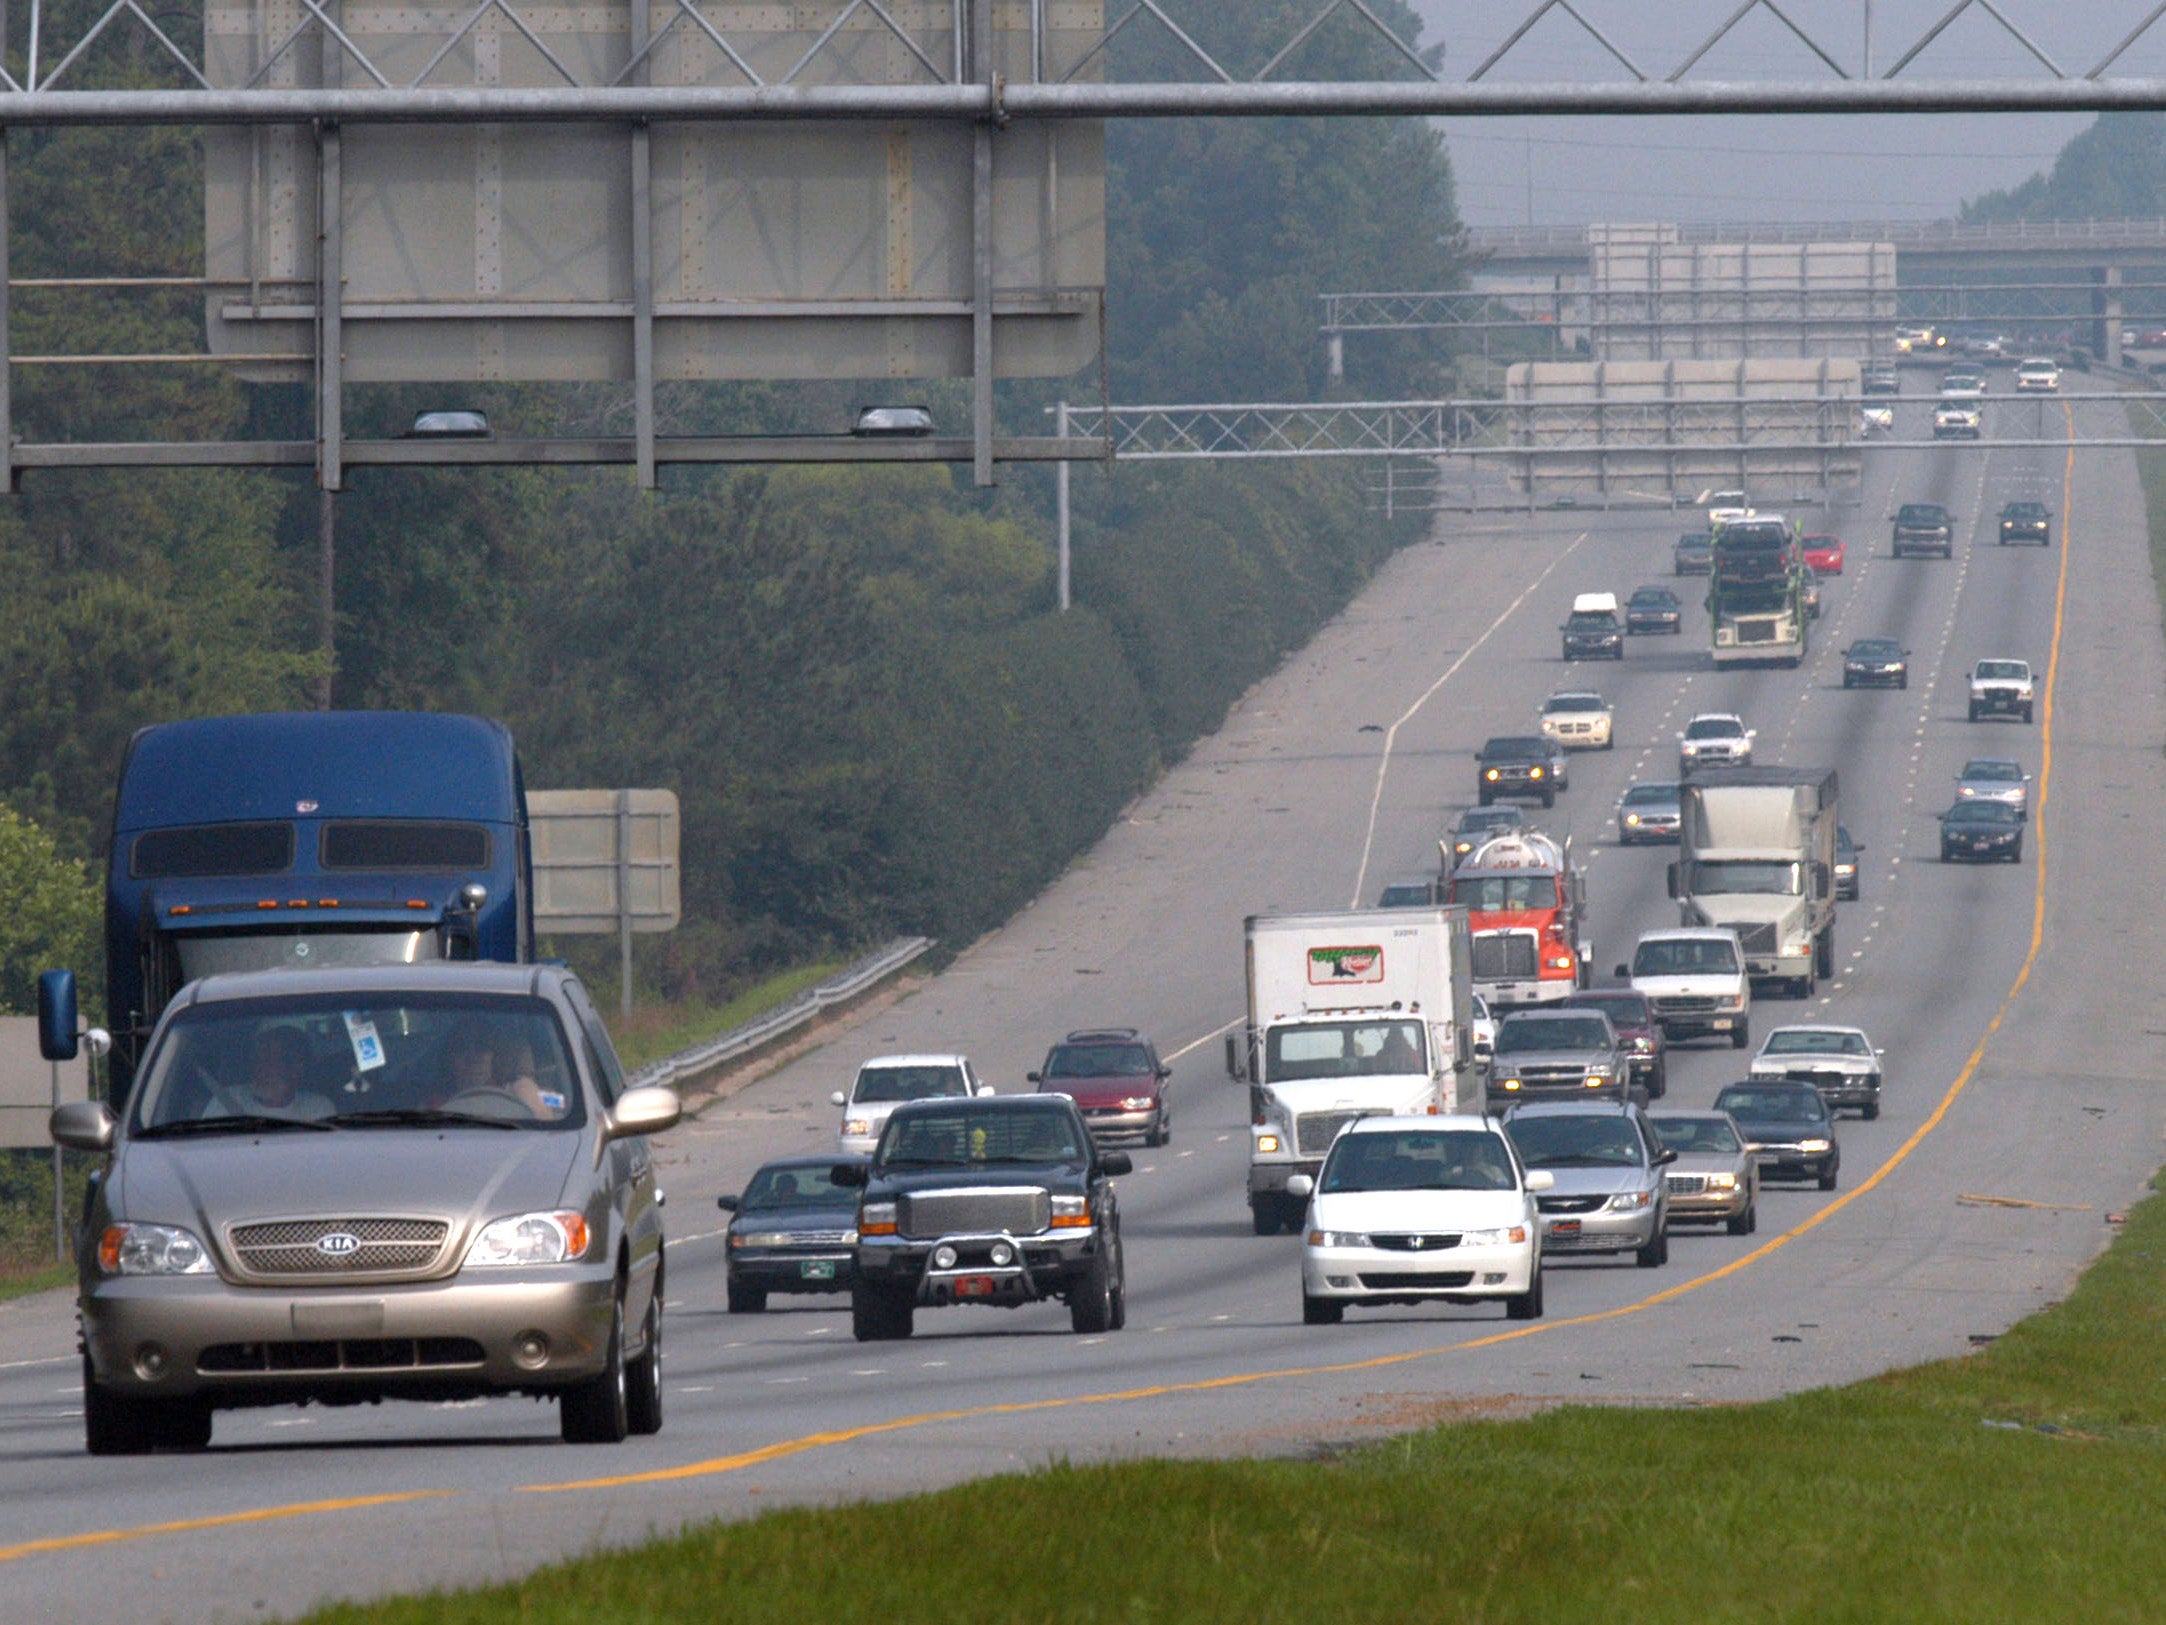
(1561,428)
(949,74)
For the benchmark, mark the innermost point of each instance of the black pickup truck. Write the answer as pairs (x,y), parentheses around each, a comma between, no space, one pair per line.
(1924,527)
(997,1199)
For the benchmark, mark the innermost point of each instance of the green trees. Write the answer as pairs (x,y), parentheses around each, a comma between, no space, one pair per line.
(2115,170)
(50,907)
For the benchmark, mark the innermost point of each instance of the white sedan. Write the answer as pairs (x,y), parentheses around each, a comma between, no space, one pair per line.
(1421,1210)
(1840,1062)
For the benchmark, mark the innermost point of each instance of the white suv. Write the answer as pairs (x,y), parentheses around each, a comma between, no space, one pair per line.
(886,1081)
(1714,739)
(1696,982)
(1578,719)
(2038,375)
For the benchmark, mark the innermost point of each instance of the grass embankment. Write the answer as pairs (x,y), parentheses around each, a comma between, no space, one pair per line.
(2020,1483)
(659,1030)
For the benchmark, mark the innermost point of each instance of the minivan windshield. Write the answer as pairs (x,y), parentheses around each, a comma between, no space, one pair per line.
(332,1060)
(1419,1160)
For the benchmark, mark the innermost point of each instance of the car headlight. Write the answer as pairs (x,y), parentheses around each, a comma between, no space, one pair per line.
(151,1249)
(1491,775)
(1137,1103)
(876,1219)
(1535,773)
(1722,1182)
(1268,1144)
(1338,1238)
(529,1238)
(1730,1001)
(1508,1084)
(1509,1236)
(1630,1201)
(1965,790)
(857,1128)
(1601,1069)
(1632,818)
(762,1238)
(1815,1145)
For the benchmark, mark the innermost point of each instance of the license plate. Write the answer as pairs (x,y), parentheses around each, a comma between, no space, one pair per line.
(1721,1024)
(817,1269)
(974,1286)
(1564,1227)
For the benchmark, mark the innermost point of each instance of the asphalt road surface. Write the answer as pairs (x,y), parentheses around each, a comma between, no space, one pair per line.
(2018,1007)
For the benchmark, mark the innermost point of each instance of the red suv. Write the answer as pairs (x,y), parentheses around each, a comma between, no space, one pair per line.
(1114,1076)
(1639,1035)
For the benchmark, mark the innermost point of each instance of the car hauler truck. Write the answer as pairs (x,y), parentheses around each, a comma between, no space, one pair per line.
(1526,903)
(1349,1015)
(1756,593)
(1757,854)
(309,839)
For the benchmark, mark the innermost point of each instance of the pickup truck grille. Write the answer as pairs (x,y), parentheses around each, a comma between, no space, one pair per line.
(1756,631)
(1020,1210)
(366,1246)
(1556,1076)
(1314,1131)
(1756,939)
(1505,956)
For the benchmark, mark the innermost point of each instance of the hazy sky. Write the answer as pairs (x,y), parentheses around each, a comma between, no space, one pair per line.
(1741,168)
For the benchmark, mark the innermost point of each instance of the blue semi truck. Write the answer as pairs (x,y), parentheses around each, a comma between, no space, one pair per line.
(309,839)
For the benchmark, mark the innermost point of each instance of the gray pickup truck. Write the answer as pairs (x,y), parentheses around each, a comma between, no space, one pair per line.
(1924,527)
(1557,1054)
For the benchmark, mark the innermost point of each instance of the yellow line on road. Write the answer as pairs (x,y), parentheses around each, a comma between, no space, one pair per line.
(222,1520)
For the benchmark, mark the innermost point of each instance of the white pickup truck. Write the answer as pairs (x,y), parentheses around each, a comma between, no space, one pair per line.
(2002,688)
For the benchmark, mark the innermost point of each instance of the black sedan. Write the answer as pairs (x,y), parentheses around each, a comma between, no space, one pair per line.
(1654,609)
(2027,522)
(1981,831)
(1846,864)
(1876,663)
(795,1230)
(1789,1128)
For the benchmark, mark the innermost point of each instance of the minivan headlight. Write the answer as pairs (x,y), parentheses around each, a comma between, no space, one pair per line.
(1629,1201)
(529,1238)
(1510,1236)
(857,1128)
(1338,1238)
(151,1249)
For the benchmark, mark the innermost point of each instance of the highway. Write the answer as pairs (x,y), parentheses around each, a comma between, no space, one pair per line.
(2016,1005)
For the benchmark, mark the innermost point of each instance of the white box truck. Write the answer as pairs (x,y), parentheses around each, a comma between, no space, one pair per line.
(1349,1015)
(1757,854)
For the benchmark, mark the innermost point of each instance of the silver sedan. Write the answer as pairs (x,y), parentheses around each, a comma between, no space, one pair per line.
(1995,778)
(1715,1177)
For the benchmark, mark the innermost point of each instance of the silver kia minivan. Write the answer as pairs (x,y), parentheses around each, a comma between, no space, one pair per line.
(407,1182)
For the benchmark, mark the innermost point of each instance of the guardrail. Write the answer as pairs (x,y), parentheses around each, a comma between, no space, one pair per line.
(784,1019)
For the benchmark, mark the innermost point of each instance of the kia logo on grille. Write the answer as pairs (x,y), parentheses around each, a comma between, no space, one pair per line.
(338,1244)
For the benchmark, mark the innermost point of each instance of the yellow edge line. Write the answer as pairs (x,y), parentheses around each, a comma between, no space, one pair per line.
(223,1520)
(819,1441)
(806,1443)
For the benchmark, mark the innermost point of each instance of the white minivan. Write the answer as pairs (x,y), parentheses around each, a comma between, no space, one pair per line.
(1695,981)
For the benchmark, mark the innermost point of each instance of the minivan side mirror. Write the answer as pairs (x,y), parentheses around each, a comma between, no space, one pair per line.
(83,1125)
(838,1098)
(1033,1077)
(1300,1185)
(1116,1162)
(56,1015)
(645,1110)
(1624,973)
(1665,1156)
(1541,1179)
(728,1204)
